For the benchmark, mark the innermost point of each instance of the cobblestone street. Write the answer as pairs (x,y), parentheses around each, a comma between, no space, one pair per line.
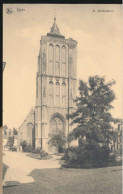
(23,174)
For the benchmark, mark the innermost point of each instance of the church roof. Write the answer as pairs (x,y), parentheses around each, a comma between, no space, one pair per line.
(55,30)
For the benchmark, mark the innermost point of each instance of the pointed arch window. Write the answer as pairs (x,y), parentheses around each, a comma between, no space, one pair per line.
(56,124)
(51,66)
(63,94)
(71,67)
(51,91)
(57,91)
(63,67)
(29,132)
(63,54)
(57,60)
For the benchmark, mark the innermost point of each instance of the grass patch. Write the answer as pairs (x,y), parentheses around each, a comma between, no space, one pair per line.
(37,156)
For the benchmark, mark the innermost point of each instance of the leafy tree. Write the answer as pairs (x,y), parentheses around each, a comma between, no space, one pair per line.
(5,129)
(58,139)
(92,117)
(10,141)
(15,132)
(93,125)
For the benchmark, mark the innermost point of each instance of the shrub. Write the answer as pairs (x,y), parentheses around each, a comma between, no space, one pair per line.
(11,147)
(23,144)
(87,156)
(10,142)
(14,149)
(28,148)
(58,139)
(43,154)
(36,150)
(63,150)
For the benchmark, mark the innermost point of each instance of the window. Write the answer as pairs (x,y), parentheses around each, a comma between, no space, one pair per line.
(63,55)
(29,129)
(56,125)
(51,67)
(51,90)
(57,91)
(57,60)
(57,53)
(29,132)
(71,62)
(51,52)
(63,67)
(44,62)
(63,94)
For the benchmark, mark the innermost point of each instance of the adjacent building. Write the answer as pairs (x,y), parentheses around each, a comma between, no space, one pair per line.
(27,130)
(116,144)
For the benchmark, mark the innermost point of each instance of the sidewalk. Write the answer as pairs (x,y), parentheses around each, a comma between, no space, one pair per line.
(19,166)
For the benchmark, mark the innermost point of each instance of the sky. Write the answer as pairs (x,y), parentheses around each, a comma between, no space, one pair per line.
(99,50)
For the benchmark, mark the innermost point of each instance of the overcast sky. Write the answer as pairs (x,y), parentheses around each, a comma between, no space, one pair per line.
(99,38)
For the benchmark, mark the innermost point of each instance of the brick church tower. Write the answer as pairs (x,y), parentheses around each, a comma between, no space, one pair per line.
(56,85)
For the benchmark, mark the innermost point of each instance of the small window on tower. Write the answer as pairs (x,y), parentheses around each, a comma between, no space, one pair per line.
(57,91)
(63,68)
(51,91)
(63,94)
(51,66)
(57,53)
(63,54)
(50,52)
(57,60)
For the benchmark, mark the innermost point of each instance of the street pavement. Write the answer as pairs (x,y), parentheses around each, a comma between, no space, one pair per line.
(25,175)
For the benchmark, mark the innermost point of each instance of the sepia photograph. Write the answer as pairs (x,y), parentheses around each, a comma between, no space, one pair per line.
(62,99)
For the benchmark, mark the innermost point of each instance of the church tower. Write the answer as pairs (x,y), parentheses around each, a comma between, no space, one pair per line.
(56,85)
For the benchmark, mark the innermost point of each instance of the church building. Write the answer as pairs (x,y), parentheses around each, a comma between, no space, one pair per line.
(56,87)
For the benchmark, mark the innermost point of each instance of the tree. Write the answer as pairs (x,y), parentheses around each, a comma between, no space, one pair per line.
(93,125)
(15,132)
(10,141)
(92,117)
(5,129)
(58,140)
